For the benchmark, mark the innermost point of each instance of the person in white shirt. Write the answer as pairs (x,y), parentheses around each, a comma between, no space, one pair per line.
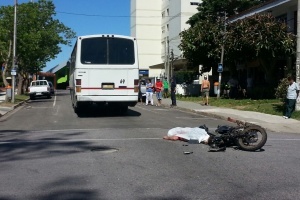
(149,92)
(292,95)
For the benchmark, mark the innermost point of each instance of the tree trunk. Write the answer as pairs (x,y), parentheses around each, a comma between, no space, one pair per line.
(4,76)
(6,64)
(20,84)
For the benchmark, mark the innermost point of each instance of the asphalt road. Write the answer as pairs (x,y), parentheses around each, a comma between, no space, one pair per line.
(48,152)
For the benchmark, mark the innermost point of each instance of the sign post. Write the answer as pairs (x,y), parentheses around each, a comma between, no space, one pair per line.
(220,70)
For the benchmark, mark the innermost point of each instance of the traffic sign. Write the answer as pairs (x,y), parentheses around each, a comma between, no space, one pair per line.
(220,67)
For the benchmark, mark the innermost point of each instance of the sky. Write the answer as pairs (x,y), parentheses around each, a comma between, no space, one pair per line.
(114,19)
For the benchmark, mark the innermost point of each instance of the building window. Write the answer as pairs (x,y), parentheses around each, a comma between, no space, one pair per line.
(195,3)
(168,12)
(163,14)
(167,27)
(163,29)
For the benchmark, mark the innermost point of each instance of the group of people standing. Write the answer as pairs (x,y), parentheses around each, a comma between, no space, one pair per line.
(160,89)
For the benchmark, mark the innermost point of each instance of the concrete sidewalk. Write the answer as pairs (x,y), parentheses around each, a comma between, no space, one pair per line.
(270,122)
(5,109)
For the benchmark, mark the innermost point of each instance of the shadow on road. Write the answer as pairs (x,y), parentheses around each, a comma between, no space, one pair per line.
(68,188)
(94,111)
(23,149)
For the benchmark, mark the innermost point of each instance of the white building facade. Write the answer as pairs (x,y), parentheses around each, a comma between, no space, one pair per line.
(157,24)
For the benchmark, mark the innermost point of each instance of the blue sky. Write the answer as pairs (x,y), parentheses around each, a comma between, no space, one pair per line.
(86,25)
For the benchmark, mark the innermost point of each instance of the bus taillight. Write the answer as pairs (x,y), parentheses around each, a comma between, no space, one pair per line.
(78,81)
(136,85)
(78,85)
(136,81)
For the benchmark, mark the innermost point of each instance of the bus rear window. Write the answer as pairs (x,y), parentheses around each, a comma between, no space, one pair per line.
(110,51)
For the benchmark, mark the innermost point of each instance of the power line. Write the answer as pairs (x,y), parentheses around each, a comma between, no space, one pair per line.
(113,16)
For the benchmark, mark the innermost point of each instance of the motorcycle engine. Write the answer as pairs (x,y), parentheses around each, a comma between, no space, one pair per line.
(224,129)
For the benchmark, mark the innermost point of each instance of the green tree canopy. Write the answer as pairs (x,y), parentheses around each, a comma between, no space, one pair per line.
(39,35)
(259,37)
(215,8)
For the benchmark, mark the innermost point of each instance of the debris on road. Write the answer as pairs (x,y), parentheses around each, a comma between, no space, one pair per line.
(187,152)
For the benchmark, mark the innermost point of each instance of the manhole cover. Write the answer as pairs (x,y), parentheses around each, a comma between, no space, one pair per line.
(105,149)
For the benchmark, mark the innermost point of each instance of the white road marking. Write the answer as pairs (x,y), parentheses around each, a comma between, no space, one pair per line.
(79,140)
(69,130)
(39,107)
(120,139)
(54,100)
(283,139)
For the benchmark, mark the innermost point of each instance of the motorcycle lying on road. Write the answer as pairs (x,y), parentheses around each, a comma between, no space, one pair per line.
(246,136)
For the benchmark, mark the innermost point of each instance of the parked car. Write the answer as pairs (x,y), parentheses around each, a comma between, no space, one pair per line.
(39,88)
(51,87)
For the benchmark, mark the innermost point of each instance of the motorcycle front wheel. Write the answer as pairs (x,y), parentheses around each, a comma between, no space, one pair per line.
(254,138)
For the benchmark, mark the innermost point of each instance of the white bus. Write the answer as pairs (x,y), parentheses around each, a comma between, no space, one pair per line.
(104,70)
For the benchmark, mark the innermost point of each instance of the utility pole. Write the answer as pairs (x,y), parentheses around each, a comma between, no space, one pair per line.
(168,60)
(222,58)
(298,52)
(13,71)
(165,61)
(172,61)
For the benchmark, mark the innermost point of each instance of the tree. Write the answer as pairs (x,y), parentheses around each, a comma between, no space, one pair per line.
(216,8)
(260,37)
(39,36)
(201,44)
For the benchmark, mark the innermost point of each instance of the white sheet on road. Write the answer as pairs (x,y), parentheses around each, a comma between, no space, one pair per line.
(189,133)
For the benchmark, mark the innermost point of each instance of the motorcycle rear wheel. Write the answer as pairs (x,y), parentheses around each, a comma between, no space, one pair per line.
(254,138)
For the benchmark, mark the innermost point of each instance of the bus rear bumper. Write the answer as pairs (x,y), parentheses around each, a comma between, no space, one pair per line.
(123,100)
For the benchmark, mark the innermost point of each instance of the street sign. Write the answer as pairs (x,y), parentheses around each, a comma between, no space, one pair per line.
(13,72)
(220,67)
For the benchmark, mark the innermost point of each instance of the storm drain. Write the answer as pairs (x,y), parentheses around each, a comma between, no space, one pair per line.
(104,149)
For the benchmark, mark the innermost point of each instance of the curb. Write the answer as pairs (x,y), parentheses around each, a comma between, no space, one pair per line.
(15,106)
(199,112)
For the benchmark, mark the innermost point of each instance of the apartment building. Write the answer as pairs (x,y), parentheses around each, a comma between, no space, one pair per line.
(156,24)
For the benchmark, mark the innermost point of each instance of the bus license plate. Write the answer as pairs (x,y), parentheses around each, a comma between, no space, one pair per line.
(38,93)
(108,86)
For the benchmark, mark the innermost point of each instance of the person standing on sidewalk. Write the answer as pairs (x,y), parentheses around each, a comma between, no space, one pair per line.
(292,95)
(158,91)
(149,92)
(205,87)
(166,88)
(173,93)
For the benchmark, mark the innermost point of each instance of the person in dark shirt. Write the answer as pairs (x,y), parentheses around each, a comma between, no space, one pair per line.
(173,92)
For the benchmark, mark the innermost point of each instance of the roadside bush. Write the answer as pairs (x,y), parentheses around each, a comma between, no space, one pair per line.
(185,77)
(281,90)
(262,93)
